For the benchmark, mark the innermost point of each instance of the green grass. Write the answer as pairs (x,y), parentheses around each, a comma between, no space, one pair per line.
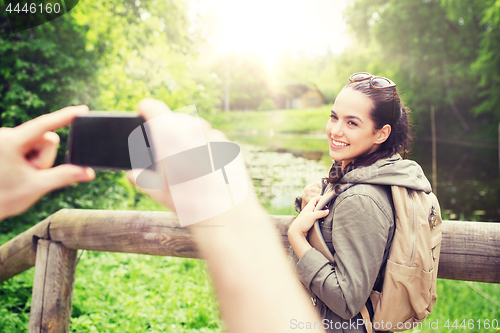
(15,301)
(137,293)
(308,120)
(465,300)
(140,293)
(117,292)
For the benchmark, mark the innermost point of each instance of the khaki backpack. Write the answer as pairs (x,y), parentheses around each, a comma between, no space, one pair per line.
(409,289)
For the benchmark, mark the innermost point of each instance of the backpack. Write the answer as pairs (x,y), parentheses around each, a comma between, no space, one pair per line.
(409,288)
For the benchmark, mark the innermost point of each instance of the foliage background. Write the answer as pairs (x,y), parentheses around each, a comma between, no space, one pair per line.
(111,54)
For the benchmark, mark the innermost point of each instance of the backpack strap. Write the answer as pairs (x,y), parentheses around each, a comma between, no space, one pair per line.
(366,319)
(314,236)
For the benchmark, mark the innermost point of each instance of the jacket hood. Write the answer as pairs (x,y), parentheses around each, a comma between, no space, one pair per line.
(390,171)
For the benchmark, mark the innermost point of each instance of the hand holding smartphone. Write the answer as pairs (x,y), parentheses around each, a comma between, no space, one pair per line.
(99,139)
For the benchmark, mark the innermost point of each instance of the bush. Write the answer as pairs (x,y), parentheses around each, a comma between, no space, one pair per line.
(267,105)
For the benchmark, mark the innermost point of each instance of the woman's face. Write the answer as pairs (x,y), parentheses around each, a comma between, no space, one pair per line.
(350,130)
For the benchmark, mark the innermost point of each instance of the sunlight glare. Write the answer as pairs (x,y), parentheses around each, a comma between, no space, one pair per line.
(267,27)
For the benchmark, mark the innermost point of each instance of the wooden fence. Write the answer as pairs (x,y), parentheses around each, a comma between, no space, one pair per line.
(470,251)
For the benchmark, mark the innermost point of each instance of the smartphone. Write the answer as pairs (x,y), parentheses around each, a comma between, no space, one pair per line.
(99,139)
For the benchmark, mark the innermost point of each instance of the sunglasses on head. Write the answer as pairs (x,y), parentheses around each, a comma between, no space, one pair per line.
(379,83)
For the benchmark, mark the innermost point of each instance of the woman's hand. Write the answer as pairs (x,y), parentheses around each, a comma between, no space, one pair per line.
(297,233)
(309,192)
(307,217)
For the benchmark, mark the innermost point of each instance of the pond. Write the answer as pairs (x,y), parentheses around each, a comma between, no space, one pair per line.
(468,177)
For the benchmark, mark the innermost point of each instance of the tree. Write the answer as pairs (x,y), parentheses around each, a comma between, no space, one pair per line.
(249,80)
(487,63)
(308,71)
(43,69)
(429,48)
(147,51)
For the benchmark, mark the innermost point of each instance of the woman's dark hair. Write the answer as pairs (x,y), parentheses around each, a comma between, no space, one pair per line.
(381,114)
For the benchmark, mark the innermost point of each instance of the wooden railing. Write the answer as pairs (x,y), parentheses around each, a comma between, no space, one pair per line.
(470,251)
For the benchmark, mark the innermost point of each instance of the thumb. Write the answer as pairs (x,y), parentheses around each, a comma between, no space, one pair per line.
(150,108)
(321,213)
(130,176)
(162,196)
(61,176)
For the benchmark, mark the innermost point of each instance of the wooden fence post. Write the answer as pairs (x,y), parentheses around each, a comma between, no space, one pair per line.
(52,288)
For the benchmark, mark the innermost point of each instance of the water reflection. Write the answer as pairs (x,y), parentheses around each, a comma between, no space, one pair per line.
(468,181)
(279,177)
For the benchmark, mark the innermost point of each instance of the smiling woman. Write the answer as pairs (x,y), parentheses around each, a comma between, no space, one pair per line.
(368,125)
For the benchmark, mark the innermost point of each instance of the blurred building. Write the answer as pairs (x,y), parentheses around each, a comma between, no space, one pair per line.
(300,96)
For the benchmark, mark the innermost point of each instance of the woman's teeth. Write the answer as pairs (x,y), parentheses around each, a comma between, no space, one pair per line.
(338,143)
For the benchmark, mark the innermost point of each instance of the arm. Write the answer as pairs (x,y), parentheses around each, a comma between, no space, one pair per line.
(256,288)
(360,234)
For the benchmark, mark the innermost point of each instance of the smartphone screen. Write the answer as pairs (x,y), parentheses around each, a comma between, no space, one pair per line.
(100,139)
